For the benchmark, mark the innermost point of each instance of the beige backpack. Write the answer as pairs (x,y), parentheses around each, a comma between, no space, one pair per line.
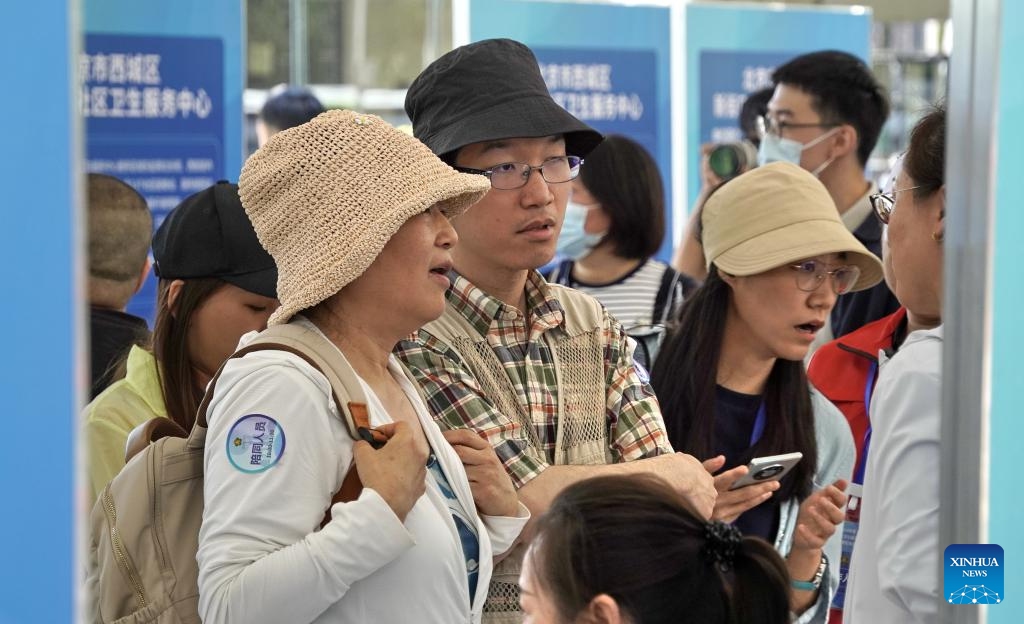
(144,529)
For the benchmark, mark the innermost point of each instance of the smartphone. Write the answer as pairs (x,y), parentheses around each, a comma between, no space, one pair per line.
(769,468)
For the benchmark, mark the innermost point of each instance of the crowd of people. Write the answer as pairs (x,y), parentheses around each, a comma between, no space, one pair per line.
(738,438)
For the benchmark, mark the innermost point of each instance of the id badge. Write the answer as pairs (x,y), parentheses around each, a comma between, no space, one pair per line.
(850,526)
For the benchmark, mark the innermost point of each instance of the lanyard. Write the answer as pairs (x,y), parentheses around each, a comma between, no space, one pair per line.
(759,421)
(869,389)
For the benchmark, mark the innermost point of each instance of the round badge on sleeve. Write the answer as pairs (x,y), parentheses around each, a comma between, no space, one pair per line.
(255,443)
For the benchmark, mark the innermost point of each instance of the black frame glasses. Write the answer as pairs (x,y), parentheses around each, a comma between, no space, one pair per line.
(883,203)
(767,125)
(812,272)
(512,175)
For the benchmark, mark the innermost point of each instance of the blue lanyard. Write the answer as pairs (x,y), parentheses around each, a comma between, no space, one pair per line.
(869,389)
(759,420)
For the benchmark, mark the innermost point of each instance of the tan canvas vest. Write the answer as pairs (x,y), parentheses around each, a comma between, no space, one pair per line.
(581,436)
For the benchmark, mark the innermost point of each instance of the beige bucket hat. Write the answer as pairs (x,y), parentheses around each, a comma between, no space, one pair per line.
(326,196)
(777,214)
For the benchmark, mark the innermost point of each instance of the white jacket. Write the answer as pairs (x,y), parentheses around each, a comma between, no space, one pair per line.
(261,555)
(894,568)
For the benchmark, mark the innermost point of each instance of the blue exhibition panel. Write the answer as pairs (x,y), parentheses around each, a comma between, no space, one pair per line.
(606,63)
(39,250)
(161,92)
(732,50)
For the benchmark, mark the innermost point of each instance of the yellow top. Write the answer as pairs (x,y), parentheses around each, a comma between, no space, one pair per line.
(110,417)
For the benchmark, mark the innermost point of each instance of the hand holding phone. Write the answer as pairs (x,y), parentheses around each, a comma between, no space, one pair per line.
(768,468)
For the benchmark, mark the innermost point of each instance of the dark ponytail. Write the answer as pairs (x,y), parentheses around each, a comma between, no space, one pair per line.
(635,539)
(760,585)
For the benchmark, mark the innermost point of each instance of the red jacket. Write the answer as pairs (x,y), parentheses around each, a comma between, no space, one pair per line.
(839,369)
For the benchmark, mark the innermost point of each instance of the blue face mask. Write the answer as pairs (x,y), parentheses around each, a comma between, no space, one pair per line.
(774,148)
(573,242)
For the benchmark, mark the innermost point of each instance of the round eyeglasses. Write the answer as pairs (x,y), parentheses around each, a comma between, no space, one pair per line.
(883,202)
(811,273)
(510,176)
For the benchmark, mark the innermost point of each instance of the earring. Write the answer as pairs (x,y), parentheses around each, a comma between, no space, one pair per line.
(937,237)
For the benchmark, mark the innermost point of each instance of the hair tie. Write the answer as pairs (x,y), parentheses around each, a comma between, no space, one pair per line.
(720,543)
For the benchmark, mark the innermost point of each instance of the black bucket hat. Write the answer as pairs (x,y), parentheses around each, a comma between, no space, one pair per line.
(209,235)
(486,91)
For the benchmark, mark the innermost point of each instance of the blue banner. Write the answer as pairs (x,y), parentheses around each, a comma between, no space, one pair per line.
(726,79)
(606,63)
(732,50)
(611,90)
(154,113)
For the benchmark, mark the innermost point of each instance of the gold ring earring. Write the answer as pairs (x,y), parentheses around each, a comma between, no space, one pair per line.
(937,237)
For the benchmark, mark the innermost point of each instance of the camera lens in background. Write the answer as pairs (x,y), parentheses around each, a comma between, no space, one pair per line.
(728,160)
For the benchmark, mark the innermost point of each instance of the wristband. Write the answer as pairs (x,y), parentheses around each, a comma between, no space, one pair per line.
(815,582)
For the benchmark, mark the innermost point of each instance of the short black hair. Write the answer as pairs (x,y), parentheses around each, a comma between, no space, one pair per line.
(290,106)
(756,105)
(624,178)
(843,90)
(925,160)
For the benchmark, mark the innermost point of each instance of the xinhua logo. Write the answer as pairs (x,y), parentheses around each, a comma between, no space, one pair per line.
(973,574)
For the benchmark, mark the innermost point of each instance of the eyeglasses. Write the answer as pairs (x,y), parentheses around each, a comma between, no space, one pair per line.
(769,125)
(811,273)
(884,202)
(510,176)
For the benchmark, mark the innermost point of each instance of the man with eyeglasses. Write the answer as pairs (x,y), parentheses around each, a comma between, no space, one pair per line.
(541,371)
(826,115)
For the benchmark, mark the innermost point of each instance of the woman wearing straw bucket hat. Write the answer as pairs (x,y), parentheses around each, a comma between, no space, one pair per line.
(356,215)
(731,379)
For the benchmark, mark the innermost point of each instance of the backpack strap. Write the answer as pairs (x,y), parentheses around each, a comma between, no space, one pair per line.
(346,391)
(669,282)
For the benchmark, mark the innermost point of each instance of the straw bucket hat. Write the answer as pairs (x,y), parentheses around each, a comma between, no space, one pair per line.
(326,196)
(774,215)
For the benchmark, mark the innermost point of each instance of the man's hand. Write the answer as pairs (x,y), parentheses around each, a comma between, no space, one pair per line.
(731,503)
(686,475)
(491,486)
(397,471)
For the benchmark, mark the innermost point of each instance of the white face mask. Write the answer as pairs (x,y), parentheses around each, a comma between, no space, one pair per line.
(777,149)
(573,241)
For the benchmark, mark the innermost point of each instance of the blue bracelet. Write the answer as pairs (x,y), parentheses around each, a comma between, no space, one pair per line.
(815,583)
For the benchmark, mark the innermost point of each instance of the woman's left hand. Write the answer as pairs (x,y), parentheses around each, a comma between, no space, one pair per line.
(820,514)
(491,486)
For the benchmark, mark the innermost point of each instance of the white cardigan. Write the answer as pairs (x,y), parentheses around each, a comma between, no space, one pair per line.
(261,555)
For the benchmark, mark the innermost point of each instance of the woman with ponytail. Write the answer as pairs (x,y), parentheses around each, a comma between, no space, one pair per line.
(629,550)
(730,378)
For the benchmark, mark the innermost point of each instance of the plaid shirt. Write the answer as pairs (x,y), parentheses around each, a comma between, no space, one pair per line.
(636,429)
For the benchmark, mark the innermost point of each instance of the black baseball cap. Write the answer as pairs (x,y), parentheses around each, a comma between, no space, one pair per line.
(486,91)
(209,235)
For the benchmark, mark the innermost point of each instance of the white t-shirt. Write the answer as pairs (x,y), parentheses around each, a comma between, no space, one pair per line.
(261,555)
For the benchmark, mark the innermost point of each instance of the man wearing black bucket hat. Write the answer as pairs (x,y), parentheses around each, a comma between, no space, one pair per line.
(541,371)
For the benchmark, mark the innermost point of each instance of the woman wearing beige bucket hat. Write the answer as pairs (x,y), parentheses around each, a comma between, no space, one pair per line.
(356,215)
(731,379)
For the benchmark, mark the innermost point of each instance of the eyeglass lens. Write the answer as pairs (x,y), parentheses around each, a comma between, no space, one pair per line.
(554,171)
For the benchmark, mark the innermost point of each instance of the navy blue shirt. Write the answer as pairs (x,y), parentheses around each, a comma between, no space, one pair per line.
(735,414)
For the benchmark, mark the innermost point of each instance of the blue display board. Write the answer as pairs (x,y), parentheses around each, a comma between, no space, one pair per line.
(1006,513)
(726,79)
(154,113)
(606,63)
(732,50)
(41,316)
(162,100)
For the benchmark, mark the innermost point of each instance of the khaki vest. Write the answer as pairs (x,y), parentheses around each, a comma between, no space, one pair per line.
(581,433)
